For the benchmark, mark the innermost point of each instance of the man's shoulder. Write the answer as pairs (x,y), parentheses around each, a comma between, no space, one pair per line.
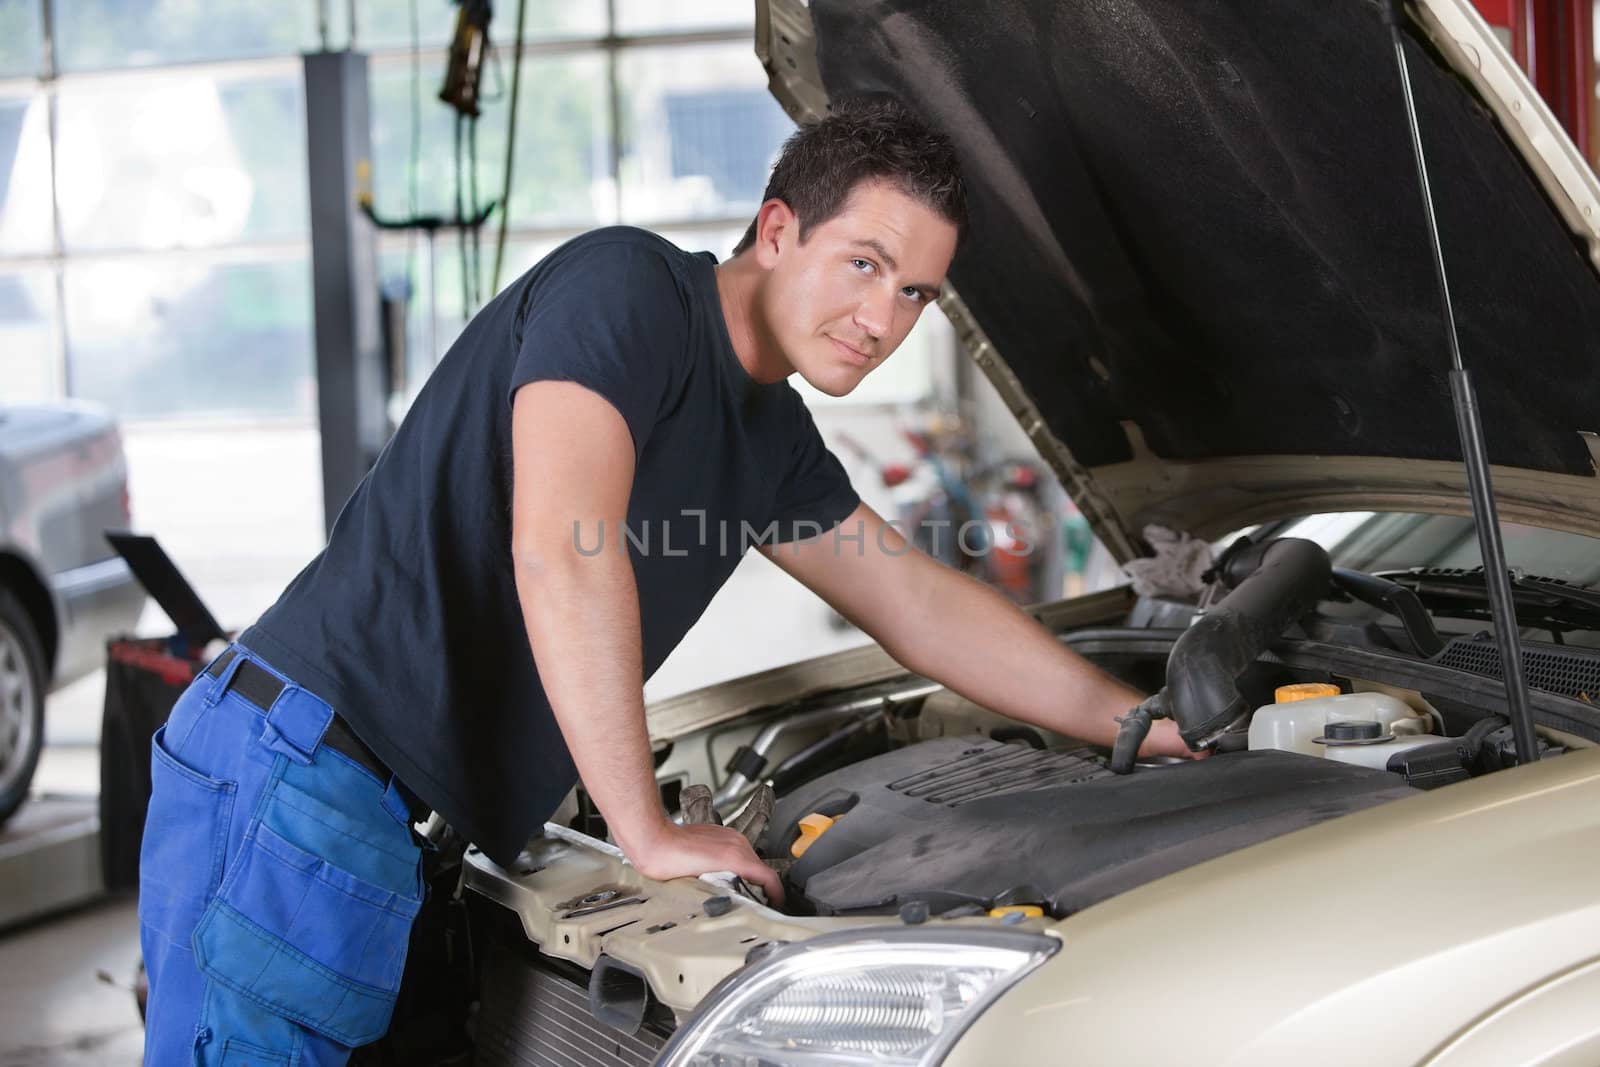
(622,245)
(648,277)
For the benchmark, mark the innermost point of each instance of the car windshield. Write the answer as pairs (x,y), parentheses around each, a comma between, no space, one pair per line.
(1395,541)
(1372,542)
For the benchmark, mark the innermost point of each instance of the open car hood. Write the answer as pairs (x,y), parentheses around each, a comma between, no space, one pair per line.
(1199,269)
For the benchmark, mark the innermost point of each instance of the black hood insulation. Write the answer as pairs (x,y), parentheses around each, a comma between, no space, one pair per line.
(1204,218)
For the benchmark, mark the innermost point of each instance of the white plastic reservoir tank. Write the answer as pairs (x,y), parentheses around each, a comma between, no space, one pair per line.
(1291,725)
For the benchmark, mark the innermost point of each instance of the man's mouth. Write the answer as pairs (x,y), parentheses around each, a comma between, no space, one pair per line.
(851,353)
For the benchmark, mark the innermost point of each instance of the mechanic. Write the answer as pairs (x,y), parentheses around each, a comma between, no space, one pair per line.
(620,381)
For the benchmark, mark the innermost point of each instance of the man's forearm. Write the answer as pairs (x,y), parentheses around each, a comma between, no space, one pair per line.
(979,644)
(582,616)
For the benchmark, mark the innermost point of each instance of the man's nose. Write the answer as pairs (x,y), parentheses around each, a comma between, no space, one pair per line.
(875,312)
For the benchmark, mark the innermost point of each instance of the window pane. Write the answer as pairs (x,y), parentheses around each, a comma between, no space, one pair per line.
(523,255)
(445,298)
(562,163)
(20,50)
(404,271)
(700,132)
(387,23)
(28,337)
(174,337)
(182,161)
(100,34)
(24,177)
(646,16)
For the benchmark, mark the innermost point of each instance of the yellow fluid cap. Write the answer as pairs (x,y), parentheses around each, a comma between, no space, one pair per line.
(1288,694)
(812,827)
(1031,911)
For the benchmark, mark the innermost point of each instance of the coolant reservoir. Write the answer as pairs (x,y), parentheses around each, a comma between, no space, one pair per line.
(1291,726)
(1378,753)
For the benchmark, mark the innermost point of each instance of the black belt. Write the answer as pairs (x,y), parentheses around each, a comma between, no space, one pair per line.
(259,687)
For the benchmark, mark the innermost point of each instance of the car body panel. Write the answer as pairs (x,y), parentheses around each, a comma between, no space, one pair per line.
(1552,1025)
(1325,943)
(1332,945)
(63,480)
(666,936)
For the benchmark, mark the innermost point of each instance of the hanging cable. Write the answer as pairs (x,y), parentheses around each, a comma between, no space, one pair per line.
(511,148)
(414,163)
(463,77)
(461,235)
(472,201)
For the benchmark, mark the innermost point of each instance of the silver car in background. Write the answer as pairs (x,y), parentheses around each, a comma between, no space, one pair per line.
(63,591)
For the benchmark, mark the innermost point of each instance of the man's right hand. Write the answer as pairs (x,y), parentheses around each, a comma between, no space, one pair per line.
(673,851)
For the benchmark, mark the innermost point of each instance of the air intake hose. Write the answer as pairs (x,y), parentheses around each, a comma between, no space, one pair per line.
(1274,583)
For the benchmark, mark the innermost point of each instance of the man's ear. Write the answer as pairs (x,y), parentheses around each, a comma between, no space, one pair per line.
(776,227)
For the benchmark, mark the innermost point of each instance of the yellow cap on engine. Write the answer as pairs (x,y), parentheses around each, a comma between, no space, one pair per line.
(1031,911)
(1288,694)
(812,827)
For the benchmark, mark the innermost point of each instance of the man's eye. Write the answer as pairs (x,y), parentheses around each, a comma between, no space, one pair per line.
(862,264)
(915,294)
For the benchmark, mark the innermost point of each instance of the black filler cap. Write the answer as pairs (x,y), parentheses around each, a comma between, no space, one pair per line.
(1353,730)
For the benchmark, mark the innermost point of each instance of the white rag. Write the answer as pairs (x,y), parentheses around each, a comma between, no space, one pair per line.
(1176,568)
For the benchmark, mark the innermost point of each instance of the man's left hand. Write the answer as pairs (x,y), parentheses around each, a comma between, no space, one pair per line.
(1164,740)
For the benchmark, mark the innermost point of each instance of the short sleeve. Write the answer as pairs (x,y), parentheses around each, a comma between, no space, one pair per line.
(815,494)
(610,316)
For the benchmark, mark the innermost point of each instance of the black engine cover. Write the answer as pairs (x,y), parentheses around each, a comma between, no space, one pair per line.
(974,822)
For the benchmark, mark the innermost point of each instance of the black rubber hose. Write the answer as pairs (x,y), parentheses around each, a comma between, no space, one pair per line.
(1398,601)
(801,767)
(1133,728)
(1274,584)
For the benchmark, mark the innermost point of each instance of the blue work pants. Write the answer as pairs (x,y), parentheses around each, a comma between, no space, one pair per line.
(278,883)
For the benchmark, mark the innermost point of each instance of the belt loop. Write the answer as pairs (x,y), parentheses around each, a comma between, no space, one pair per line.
(219,684)
(295,723)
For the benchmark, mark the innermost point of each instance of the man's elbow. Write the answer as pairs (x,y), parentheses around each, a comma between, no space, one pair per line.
(551,554)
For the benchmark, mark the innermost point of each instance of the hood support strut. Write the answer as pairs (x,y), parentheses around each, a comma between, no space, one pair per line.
(1469,426)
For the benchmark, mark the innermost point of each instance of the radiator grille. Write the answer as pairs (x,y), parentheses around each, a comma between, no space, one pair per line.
(990,769)
(1571,672)
(533,1017)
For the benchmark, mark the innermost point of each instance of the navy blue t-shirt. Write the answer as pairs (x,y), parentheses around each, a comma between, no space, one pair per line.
(408,622)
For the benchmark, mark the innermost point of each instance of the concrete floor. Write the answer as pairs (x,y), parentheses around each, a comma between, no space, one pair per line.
(55,1008)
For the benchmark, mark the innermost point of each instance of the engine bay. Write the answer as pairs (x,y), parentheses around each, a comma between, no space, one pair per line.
(885,800)
(906,799)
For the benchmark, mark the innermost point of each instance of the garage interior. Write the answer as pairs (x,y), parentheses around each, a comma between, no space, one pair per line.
(247,232)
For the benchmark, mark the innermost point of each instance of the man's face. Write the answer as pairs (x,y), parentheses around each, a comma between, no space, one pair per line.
(839,302)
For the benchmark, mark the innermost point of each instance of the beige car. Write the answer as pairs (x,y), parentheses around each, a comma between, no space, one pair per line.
(1200,275)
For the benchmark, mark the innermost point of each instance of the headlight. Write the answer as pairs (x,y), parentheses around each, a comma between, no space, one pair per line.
(900,995)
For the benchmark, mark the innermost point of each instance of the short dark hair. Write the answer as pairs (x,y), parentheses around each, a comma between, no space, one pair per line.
(864,139)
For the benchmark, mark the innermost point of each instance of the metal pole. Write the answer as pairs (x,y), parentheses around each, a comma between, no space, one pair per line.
(1469,425)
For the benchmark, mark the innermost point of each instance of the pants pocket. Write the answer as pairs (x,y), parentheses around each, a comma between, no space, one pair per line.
(302,936)
(185,840)
(240,1054)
